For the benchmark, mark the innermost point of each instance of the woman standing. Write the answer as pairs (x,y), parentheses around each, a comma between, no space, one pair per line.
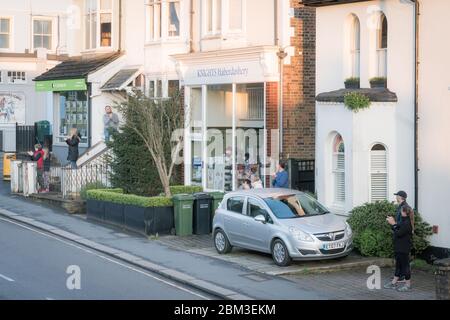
(403,233)
(38,157)
(73,141)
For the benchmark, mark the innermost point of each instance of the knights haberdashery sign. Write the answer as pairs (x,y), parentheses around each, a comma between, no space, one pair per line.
(12,107)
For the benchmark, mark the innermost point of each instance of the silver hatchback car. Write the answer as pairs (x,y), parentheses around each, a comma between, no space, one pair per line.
(289,224)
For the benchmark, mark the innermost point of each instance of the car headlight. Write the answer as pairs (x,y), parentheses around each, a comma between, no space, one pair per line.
(300,235)
(348,230)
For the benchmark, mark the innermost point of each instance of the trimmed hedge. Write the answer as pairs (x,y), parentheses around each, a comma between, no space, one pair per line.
(372,235)
(116,196)
(185,189)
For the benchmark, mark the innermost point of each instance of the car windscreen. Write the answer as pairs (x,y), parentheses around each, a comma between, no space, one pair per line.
(295,206)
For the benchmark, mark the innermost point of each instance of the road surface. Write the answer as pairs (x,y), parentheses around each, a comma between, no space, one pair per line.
(35,266)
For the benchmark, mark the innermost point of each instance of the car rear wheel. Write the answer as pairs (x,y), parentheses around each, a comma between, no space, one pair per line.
(221,242)
(280,253)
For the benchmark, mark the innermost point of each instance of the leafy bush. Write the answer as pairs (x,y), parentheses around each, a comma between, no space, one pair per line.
(185,189)
(116,196)
(356,101)
(373,235)
(90,186)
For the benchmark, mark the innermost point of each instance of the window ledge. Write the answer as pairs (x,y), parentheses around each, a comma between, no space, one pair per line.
(174,40)
(374,95)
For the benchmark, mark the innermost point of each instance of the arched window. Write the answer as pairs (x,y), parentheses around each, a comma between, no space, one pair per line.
(382,43)
(354,46)
(378,173)
(339,169)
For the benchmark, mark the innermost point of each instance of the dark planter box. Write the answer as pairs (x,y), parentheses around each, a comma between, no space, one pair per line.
(114,214)
(352,85)
(160,220)
(149,221)
(95,210)
(378,84)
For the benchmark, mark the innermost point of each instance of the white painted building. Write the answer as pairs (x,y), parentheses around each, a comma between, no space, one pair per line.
(368,155)
(33,39)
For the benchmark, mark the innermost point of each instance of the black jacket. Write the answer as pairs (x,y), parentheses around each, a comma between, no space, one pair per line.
(73,148)
(398,215)
(403,236)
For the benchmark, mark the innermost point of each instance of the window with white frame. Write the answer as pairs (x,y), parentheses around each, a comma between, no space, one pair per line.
(42,33)
(355,44)
(378,173)
(339,170)
(235,20)
(212,16)
(16,77)
(154,19)
(173,18)
(5,33)
(98,23)
(382,42)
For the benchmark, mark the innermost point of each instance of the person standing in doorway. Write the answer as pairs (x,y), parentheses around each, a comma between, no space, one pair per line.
(280,178)
(73,141)
(110,122)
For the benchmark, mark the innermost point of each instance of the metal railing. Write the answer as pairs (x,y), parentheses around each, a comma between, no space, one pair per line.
(74,180)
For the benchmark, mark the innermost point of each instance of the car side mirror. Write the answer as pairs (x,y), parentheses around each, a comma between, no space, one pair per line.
(261,219)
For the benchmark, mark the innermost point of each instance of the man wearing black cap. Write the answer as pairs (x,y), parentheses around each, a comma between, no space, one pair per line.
(401,200)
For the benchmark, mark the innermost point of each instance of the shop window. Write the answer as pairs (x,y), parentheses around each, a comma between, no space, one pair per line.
(235,15)
(354,50)
(213,16)
(98,23)
(17,77)
(73,113)
(339,170)
(382,42)
(378,173)
(5,33)
(174,18)
(42,34)
(154,15)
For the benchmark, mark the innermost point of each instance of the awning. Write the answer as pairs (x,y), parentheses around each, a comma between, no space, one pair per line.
(121,80)
(71,75)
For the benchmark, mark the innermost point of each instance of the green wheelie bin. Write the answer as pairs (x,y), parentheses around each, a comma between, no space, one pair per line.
(184,207)
(217,199)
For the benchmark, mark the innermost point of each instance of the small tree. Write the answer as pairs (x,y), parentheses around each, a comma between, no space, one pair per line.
(155,122)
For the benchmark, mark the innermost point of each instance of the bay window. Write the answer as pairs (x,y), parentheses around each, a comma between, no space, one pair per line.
(174,18)
(154,16)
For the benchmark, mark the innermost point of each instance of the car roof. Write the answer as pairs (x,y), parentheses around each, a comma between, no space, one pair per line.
(264,193)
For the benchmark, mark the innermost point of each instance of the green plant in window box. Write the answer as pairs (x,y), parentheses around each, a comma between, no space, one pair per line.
(378,82)
(352,83)
(356,101)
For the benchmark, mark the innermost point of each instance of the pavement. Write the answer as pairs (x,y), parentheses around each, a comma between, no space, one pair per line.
(192,262)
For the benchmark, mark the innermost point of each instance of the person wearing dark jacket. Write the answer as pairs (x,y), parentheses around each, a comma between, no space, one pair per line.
(47,165)
(73,141)
(403,233)
(401,200)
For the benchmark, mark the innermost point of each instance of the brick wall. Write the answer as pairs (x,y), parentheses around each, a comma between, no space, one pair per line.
(299,87)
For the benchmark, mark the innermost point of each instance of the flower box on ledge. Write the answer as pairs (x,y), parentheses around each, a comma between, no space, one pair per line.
(378,82)
(352,83)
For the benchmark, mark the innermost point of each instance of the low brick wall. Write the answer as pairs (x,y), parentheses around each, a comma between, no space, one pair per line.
(442,277)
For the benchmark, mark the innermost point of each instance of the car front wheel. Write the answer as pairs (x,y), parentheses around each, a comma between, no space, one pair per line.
(221,242)
(280,254)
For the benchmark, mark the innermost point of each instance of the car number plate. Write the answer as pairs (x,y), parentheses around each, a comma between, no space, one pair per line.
(334,245)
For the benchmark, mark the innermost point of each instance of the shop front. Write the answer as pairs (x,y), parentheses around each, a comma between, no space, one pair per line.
(226,107)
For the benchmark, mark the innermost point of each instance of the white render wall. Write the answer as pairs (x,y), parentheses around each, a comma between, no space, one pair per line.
(391,124)
(434,113)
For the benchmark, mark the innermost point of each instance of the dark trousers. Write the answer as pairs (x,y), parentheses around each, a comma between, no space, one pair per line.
(402,267)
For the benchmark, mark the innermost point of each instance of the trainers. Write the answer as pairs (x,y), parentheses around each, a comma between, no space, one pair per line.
(390,285)
(404,287)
